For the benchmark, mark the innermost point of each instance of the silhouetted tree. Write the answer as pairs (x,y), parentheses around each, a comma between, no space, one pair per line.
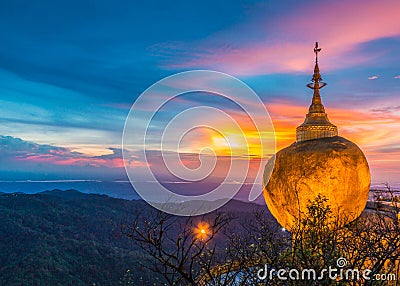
(180,249)
(372,241)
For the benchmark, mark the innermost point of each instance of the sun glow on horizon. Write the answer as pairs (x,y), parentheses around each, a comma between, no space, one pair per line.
(245,143)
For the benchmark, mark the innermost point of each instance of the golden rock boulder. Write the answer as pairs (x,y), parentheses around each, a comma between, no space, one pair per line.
(319,163)
(333,167)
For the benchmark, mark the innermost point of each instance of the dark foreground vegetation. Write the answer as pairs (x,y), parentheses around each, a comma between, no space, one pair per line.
(71,238)
(257,252)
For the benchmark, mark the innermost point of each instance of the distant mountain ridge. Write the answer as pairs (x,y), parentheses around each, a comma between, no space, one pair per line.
(67,194)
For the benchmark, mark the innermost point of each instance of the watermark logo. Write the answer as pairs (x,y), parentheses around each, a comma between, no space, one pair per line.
(159,122)
(341,262)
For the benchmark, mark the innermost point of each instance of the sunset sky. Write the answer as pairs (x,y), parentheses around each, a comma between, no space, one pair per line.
(70,71)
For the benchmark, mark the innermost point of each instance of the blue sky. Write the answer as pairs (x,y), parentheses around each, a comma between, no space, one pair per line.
(70,70)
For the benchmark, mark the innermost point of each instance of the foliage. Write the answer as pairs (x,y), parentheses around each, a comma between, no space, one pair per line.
(66,239)
(70,238)
(372,241)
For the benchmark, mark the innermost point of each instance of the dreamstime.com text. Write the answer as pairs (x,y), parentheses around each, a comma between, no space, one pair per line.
(333,273)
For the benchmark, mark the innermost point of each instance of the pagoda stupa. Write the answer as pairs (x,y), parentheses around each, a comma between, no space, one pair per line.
(316,125)
(319,163)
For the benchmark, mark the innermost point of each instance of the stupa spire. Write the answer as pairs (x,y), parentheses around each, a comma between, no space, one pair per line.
(316,84)
(316,124)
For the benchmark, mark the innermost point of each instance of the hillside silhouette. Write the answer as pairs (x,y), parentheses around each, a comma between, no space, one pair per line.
(71,238)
